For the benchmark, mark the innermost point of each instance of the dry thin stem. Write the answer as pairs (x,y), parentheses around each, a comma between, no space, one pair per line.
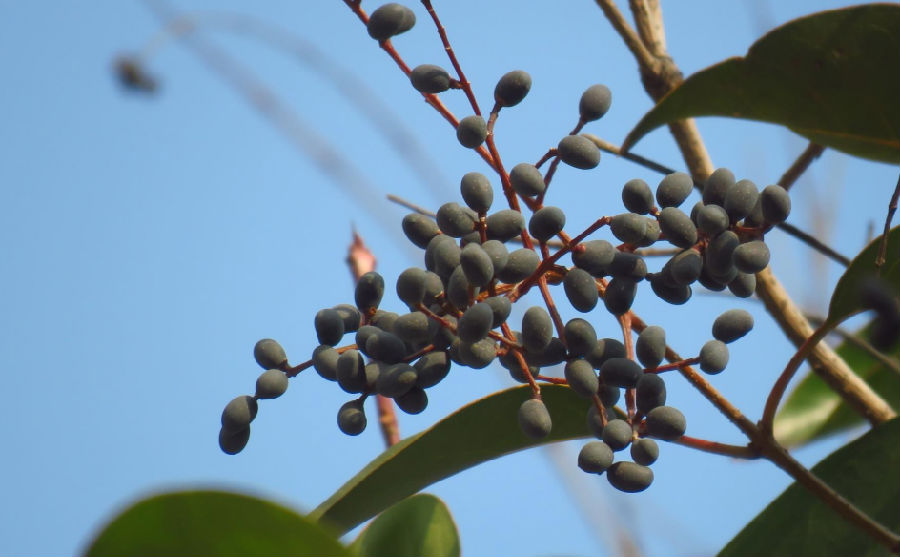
(714,447)
(806,158)
(387,420)
(860,343)
(410,205)
(526,371)
(779,304)
(552,380)
(551,155)
(604,145)
(601,410)
(626,321)
(554,164)
(551,307)
(361,260)
(673,365)
(657,252)
(508,191)
(800,165)
(814,243)
(546,157)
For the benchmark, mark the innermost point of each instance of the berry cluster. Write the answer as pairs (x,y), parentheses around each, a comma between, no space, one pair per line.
(479,261)
(272,383)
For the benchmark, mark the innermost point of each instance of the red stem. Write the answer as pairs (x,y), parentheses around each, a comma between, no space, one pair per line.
(463,82)
(734,451)
(780,386)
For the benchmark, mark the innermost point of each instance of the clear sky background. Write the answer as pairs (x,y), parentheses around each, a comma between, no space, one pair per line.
(146,244)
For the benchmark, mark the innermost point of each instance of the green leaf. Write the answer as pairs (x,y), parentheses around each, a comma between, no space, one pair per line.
(831,77)
(813,410)
(798,523)
(419,525)
(845,301)
(483,430)
(212,523)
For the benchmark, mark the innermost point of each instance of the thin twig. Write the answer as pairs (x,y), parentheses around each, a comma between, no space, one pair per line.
(463,81)
(673,365)
(806,158)
(778,389)
(551,308)
(814,243)
(511,198)
(548,177)
(388,47)
(714,447)
(604,145)
(799,166)
(431,99)
(626,321)
(410,205)
(658,252)
(892,208)
(860,343)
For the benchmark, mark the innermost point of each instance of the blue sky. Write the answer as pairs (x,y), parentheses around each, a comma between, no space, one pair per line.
(149,242)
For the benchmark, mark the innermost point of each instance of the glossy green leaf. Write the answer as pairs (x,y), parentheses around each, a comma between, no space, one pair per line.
(483,430)
(797,523)
(211,523)
(831,77)
(419,525)
(845,300)
(813,410)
